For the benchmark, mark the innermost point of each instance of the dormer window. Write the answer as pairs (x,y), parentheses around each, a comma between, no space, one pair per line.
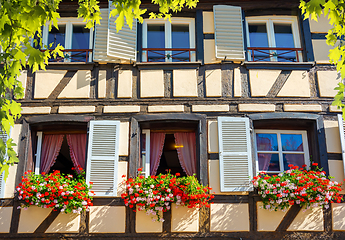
(73,36)
(165,41)
(273,38)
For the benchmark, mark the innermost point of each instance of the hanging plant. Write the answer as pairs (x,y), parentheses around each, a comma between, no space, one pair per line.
(66,193)
(155,194)
(307,188)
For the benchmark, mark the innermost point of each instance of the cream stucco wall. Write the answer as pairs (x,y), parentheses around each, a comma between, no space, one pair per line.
(31,218)
(321,25)
(65,223)
(151,83)
(327,81)
(208,22)
(213,83)
(321,50)
(212,136)
(332,136)
(46,81)
(124,138)
(23,78)
(214,176)
(76,109)
(79,86)
(268,220)
(107,219)
(5,219)
(209,51)
(11,181)
(146,223)
(121,109)
(228,217)
(338,215)
(102,83)
(184,219)
(308,220)
(15,133)
(36,110)
(185,83)
(296,78)
(122,170)
(237,82)
(336,170)
(261,81)
(124,89)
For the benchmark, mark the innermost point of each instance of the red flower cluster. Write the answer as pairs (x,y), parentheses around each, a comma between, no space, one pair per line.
(155,194)
(308,188)
(55,190)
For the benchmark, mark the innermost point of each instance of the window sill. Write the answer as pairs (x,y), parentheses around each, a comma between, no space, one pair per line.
(167,65)
(279,65)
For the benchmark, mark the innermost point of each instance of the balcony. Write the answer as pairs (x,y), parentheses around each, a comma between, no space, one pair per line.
(168,54)
(269,54)
(73,55)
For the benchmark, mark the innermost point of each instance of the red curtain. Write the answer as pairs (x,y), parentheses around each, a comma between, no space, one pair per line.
(77,148)
(186,151)
(156,149)
(50,150)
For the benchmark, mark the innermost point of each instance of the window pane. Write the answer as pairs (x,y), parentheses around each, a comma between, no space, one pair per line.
(284,39)
(57,36)
(156,39)
(180,39)
(268,162)
(258,38)
(80,37)
(295,159)
(266,142)
(292,142)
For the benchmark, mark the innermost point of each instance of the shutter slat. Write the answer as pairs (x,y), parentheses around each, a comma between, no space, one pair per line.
(103,157)
(341,124)
(234,154)
(228,32)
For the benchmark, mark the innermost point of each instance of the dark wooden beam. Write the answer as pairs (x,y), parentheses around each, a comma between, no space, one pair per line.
(278,84)
(62,84)
(47,222)
(288,218)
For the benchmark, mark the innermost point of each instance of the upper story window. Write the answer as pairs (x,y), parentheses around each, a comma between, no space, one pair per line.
(277,149)
(73,36)
(165,41)
(273,38)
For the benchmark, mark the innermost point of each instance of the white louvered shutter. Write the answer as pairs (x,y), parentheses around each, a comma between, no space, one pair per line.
(4,137)
(235,157)
(342,136)
(102,157)
(122,44)
(228,32)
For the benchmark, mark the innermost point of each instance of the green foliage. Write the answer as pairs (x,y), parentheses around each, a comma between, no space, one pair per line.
(21,24)
(334,10)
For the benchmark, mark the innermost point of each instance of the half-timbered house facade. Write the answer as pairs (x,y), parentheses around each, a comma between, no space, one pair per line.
(243,85)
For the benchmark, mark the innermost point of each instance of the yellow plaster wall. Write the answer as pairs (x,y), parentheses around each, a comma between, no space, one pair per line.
(332,136)
(209,51)
(65,223)
(184,219)
(11,181)
(185,83)
(5,219)
(124,89)
(124,138)
(228,217)
(212,139)
(336,170)
(151,83)
(327,81)
(122,170)
(208,22)
(102,83)
(308,220)
(146,224)
(79,86)
(31,218)
(213,83)
(296,78)
(338,215)
(261,81)
(107,219)
(268,220)
(46,81)
(15,133)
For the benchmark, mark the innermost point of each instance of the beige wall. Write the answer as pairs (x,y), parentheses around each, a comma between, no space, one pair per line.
(296,78)
(338,215)
(124,138)
(261,81)
(65,223)
(5,219)
(212,139)
(208,22)
(151,83)
(268,220)
(22,78)
(10,182)
(31,218)
(124,89)
(213,80)
(209,51)
(336,170)
(107,219)
(321,25)
(79,86)
(321,50)
(332,136)
(102,83)
(147,223)
(185,83)
(228,217)
(122,170)
(184,219)
(15,133)
(46,81)
(327,81)
(308,220)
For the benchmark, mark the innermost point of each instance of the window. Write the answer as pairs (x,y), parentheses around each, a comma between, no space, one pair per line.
(273,38)
(165,41)
(73,36)
(163,150)
(276,149)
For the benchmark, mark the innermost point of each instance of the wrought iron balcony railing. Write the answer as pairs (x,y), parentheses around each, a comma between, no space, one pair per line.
(73,55)
(258,54)
(168,54)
